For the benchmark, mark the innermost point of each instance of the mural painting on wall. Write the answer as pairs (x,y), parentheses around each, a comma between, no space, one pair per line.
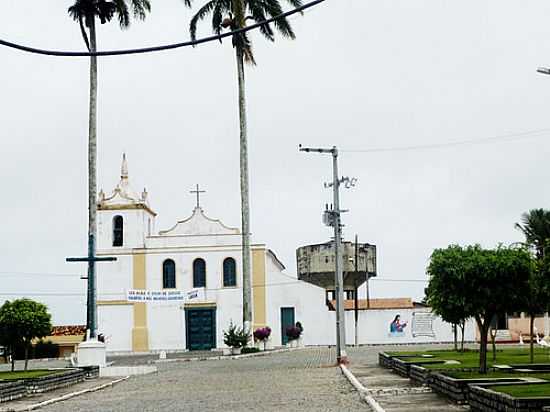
(422,324)
(397,328)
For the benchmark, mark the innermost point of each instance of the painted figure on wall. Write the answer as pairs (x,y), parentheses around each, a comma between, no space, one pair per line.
(396,327)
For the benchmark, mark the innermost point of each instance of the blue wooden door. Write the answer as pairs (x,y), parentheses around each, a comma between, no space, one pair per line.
(200,328)
(287,319)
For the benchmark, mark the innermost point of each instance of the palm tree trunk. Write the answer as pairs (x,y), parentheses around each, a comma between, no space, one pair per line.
(92,184)
(245,205)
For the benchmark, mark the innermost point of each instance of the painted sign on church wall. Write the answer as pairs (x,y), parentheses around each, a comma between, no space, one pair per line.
(140,295)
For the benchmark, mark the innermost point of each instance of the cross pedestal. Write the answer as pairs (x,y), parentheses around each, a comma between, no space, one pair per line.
(91,353)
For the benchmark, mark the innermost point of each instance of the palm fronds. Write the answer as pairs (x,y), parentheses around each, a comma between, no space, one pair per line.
(535,225)
(224,15)
(106,10)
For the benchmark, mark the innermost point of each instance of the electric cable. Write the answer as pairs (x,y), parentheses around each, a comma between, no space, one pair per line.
(172,46)
(484,140)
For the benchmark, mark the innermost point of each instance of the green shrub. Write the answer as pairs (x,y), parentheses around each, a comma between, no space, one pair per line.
(235,336)
(46,350)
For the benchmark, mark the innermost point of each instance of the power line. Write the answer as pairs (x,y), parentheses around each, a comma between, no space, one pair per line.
(485,140)
(217,37)
(399,280)
(121,294)
(83,294)
(39,274)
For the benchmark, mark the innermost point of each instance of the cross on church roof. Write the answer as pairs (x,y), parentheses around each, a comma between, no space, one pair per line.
(198,192)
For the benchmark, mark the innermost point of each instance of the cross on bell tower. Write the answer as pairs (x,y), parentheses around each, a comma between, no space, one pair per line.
(198,192)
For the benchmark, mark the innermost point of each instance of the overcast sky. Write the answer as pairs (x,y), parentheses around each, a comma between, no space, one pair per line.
(362,74)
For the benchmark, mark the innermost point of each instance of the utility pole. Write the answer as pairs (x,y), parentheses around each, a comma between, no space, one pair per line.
(332,218)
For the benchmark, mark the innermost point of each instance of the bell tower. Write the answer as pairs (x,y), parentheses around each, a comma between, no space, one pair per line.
(125,218)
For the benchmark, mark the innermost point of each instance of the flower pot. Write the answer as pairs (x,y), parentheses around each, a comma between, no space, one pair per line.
(292,343)
(236,351)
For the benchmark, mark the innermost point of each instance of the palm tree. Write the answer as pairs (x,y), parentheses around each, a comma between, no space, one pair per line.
(233,14)
(535,225)
(86,12)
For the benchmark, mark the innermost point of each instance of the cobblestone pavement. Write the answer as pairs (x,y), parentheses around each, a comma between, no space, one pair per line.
(393,392)
(303,380)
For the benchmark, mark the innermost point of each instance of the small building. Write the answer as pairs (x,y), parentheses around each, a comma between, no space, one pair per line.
(66,338)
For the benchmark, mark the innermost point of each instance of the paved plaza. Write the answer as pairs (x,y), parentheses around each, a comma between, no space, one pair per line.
(300,380)
(303,380)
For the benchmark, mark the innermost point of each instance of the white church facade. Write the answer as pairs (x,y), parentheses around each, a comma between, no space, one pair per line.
(197,253)
(204,255)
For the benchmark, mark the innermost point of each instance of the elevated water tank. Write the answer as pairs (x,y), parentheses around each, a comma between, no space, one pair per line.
(315,264)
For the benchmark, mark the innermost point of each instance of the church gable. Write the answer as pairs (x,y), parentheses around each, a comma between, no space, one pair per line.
(199,224)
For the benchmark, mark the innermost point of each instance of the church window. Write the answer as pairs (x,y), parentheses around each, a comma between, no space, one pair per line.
(169,274)
(199,273)
(229,272)
(118,231)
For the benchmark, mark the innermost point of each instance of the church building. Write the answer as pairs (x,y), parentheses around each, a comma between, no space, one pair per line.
(197,254)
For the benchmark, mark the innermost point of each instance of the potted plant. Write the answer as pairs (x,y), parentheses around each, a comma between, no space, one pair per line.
(236,338)
(261,335)
(293,333)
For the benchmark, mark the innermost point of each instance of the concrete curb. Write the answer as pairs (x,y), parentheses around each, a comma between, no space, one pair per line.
(222,357)
(363,392)
(70,395)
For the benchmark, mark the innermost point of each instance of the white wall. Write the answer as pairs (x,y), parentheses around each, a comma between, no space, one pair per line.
(166,325)
(115,322)
(114,278)
(374,327)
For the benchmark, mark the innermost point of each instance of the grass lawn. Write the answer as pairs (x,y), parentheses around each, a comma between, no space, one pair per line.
(26,374)
(496,374)
(524,391)
(470,358)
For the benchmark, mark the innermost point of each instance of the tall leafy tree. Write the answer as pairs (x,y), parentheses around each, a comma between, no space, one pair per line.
(535,225)
(86,13)
(444,293)
(493,281)
(234,14)
(22,321)
(537,300)
(9,337)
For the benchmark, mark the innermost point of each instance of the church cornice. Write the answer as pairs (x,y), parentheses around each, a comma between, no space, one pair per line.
(133,206)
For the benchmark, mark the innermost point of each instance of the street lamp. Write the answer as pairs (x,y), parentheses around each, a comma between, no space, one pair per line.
(543,70)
